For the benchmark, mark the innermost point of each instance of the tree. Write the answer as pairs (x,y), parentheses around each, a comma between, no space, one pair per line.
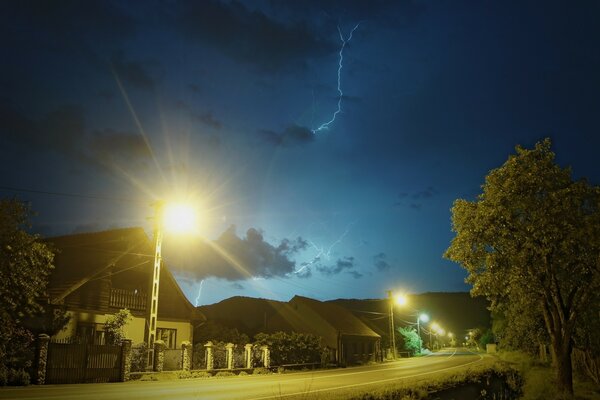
(410,340)
(533,236)
(25,264)
(114,326)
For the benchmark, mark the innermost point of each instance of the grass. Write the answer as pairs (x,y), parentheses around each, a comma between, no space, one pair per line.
(540,381)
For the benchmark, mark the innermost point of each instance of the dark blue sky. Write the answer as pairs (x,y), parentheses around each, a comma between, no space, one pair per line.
(217,101)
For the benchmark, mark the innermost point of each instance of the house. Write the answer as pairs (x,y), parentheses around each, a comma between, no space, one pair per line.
(348,338)
(97,274)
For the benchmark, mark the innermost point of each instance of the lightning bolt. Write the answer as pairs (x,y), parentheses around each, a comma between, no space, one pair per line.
(325,125)
(199,292)
(324,251)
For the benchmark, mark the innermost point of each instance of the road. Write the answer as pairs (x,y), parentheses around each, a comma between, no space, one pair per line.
(257,387)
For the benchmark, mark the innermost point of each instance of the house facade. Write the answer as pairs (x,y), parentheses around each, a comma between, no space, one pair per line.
(98,274)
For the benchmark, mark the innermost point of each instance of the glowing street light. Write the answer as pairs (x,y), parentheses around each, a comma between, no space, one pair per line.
(177,218)
(401,299)
(421,318)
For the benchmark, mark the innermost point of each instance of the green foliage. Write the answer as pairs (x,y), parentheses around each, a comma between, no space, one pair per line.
(291,348)
(531,244)
(486,338)
(139,357)
(115,325)
(409,340)
(25,264)
(215,332)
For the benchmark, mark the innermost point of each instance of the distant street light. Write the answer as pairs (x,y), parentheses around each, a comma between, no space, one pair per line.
(177,218)
(421,318)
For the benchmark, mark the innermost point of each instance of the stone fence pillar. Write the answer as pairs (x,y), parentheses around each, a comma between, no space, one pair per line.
(186,349)
(248,355)
(159,355)
(229,347)
(209,356)
(41,358)
(266,356)
(125,359)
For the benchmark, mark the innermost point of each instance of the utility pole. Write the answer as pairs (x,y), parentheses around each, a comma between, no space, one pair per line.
(391,321)
(152,306)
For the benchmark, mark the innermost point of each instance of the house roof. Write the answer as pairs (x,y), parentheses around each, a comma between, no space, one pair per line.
(338,317)
(119,255)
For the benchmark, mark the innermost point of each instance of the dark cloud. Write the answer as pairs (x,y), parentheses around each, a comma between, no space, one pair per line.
(414,199)
(250,36)
(135,73)
(381,263)
(205,117)
(293,135)
(355,274)
(304,272)
(237,286)
(124,148)
(341,265)
(194,88)
(238,258)
(61,131)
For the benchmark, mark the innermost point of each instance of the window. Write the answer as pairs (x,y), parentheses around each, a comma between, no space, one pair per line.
(89,332)
(169,336)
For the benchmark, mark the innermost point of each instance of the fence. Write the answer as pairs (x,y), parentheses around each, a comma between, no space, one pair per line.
(173,360)
(83,363)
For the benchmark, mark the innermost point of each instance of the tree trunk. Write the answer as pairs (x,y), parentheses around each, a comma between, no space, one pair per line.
(564,366)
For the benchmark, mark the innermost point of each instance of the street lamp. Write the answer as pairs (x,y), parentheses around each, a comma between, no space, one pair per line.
(421,318)
(175,217)
(400,300)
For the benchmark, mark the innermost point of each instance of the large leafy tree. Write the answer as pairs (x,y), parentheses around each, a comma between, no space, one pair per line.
(532,239)
(25,264)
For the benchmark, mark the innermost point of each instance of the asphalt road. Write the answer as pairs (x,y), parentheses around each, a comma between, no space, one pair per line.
(257,387)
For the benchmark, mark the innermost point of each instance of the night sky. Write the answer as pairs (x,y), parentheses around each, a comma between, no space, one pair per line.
(122,103)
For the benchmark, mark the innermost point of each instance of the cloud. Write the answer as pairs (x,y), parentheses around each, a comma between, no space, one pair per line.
(111,146)
(236,258)
(136,73)
(414,199)
(61,131)
(206,117)
(381,263)
(341,265)
(293,135)
(355,274)
(249,36)
(237,286)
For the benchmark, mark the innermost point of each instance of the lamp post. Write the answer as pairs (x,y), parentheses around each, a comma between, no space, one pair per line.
(176,217)
(399,299)
(153,295)
(391,324)
(424,318)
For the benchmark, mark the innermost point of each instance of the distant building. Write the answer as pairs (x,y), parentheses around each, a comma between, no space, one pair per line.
(97,274)
(349,339)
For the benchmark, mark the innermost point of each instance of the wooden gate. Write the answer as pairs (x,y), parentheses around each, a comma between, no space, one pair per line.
(83,363)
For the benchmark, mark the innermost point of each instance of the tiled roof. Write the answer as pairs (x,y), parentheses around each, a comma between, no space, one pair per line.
(338,317)
(123,257)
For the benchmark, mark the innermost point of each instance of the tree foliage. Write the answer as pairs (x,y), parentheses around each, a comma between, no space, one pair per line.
(292,348)
(531,240)
(115,325)
(409,340)
(25,264)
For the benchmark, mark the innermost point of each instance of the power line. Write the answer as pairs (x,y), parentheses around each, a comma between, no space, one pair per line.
(64,194)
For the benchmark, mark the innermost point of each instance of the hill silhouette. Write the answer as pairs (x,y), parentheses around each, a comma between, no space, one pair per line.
(455,312)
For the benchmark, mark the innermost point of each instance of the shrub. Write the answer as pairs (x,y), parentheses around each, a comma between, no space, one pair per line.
(114,327)
(222,374)
(139,357)
(17,377)
(261,371)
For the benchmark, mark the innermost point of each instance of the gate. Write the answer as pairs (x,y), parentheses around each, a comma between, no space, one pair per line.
(83,363)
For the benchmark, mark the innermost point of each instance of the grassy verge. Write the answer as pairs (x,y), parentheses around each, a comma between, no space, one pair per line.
(540,379)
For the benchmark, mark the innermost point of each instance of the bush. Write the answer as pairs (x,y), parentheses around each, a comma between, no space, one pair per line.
(114,327)
(261,371)
(292,348)
(139,357)
(222,374)
(17,377)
